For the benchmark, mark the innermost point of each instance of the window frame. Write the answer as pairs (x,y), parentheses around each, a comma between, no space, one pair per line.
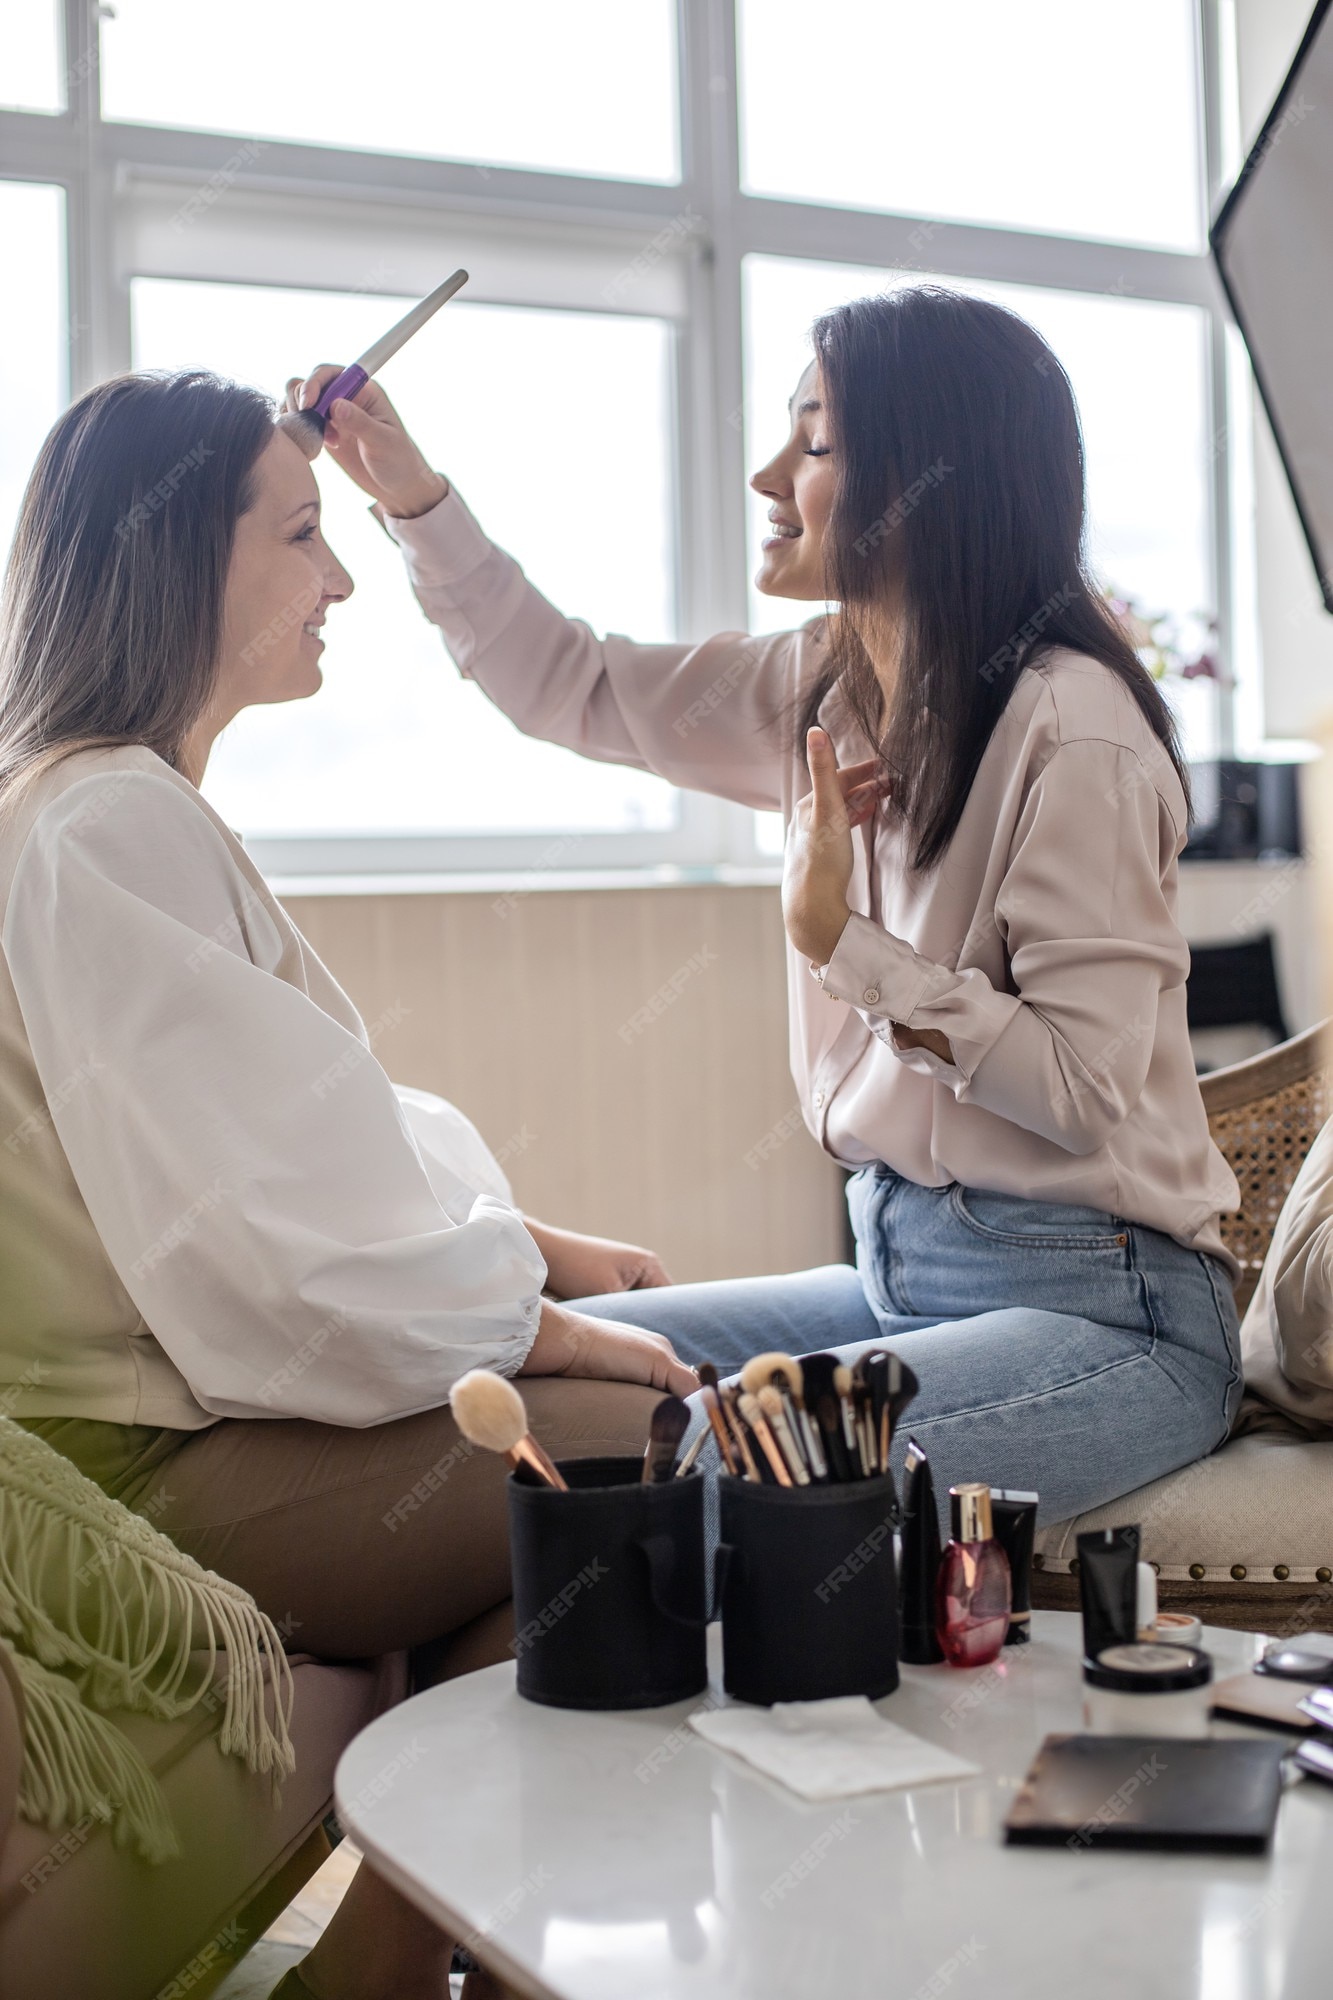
(116,176)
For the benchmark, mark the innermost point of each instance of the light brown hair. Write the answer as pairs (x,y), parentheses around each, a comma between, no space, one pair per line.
(112,613)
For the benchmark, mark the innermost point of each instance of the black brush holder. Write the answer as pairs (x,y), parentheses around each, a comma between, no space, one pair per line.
(808,1589)
(609,1596)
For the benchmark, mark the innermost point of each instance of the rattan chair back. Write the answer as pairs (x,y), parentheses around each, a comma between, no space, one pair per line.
(1263,1115)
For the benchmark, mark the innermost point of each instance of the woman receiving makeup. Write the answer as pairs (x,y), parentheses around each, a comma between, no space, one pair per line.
(240,1270)
(985,806)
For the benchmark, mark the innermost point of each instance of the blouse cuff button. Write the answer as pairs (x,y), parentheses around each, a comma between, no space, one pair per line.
(871,995)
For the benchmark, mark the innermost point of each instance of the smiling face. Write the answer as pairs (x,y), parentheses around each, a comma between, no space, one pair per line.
(798,482)
(282,578)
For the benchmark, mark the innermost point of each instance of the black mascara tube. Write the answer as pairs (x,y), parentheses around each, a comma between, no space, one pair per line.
(918,1644)
(1014,1522)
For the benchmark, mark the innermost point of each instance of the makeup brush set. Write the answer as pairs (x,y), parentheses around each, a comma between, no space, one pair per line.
(812,1422)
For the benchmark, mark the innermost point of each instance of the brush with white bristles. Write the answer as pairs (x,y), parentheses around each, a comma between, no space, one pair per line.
(489,1411)
(784,1373)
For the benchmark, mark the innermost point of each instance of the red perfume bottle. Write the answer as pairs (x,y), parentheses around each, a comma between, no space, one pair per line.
(973,1590)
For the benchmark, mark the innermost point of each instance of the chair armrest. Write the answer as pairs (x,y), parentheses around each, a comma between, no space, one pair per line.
(11,1739)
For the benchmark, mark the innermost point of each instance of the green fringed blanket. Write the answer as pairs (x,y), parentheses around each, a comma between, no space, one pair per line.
(103,1612)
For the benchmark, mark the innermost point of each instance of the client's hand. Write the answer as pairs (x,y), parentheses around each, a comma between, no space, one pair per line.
(568,1343)
(368,440)
(579,1267)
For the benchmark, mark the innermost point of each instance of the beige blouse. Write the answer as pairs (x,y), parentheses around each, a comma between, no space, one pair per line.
(1045,946)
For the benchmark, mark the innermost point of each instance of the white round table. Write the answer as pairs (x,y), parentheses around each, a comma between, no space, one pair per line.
(619,1857)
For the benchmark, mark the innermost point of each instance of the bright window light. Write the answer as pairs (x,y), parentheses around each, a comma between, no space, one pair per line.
(30,67)
(1038,114)
(32,229)
(556,427)
(588,87)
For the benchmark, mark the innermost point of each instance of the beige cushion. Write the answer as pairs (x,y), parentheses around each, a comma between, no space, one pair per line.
(1261,1503)
(81,1917)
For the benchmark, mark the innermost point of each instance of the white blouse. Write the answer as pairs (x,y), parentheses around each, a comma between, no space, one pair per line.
(213,1201)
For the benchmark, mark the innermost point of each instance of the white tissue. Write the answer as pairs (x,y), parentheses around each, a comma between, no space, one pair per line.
(830,1749)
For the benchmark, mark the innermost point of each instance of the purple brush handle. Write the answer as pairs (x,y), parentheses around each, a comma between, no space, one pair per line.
(347,384)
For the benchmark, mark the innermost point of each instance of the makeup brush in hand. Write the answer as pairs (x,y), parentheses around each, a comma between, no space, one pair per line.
(489,1411)
(306,427)
(671,1420)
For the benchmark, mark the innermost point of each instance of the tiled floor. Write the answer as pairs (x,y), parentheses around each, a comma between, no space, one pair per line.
(295,1931)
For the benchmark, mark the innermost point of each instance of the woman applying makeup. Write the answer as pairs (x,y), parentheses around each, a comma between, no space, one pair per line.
(986,807)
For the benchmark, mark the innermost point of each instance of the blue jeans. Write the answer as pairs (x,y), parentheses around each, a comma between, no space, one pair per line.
(1059,1349)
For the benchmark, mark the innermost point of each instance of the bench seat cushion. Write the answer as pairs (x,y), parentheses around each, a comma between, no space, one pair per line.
(1248,1529)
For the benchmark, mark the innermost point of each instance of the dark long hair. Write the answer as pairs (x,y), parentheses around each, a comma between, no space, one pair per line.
(960,484)
(111,625)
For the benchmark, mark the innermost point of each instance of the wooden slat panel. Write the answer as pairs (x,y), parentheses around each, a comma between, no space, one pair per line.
(527,1012)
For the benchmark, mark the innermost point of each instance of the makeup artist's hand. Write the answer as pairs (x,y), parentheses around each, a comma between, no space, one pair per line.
(582,1267)
(368,440)
(817,865)
(570,1343)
